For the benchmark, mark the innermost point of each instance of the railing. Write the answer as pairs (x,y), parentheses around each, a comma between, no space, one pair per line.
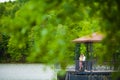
(95,66)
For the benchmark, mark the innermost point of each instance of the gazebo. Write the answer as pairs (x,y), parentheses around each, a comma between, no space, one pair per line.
(89,73)
(88,41)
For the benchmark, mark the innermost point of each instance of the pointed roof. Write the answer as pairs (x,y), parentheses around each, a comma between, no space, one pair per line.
(95,37)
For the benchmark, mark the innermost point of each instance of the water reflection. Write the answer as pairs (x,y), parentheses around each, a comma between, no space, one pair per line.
(26,72)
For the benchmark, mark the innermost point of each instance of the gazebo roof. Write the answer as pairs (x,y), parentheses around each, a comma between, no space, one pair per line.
(95,37)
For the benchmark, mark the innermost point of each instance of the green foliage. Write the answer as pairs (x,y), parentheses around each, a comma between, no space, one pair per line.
(111,27)
(47,31)
(8,10)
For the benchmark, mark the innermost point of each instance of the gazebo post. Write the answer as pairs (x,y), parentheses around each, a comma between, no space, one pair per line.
(77,54)
(91,50)
(87,50)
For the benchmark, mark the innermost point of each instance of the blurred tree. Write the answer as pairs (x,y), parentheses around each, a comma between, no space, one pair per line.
(47,31)
(7,9)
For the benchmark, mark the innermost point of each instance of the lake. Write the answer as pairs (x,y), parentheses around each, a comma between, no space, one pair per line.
(26,72)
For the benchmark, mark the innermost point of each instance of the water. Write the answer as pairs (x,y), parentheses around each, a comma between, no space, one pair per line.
(26,72)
